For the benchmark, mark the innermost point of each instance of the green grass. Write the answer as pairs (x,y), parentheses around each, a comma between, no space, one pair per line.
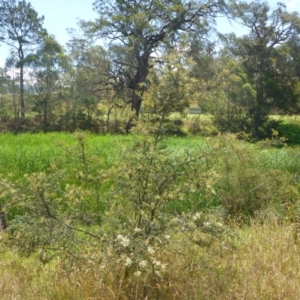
(286,118)
(285,159)
(28,153)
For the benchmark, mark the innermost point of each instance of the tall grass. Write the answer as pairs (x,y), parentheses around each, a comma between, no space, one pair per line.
(286,159)
(28,153)
(261,261)
(201,252)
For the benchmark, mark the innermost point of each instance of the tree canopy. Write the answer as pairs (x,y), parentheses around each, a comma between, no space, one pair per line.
(21,29)
(141,28)
(262,57)
(241,79)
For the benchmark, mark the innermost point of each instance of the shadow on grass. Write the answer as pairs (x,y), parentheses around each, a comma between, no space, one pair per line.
(291,131)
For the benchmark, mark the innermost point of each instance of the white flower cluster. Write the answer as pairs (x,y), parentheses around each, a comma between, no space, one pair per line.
(158,267)
(197,216)
(128,262)
(123,240)
(151,250)
(137,230)
(143,264)
(137,273)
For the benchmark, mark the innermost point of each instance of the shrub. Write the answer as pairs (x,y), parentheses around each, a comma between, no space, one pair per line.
(291,131)
(244,188)
(203,126)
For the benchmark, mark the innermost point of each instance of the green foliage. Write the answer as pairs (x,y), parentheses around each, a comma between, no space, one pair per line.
(170,90)
(133,208)
(201,125)
(269,81)
(46,67)
(21,28)
(54,205)
(132,229)
(244,188)
(291,131)
(147,27)
(230,101)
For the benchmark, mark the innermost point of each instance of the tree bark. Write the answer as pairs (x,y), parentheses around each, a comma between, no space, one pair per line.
(22,101)
(3,222)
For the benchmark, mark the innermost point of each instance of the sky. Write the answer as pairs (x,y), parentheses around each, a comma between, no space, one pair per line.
(225,27)
(59,15)
(62,14)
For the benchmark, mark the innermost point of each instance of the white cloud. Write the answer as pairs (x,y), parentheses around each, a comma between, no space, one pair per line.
(292,4)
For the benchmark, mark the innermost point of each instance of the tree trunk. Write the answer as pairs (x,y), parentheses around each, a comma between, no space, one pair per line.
(3,222)
(258,118)
(139,78)
(45,114)
(22,101)
(136,107)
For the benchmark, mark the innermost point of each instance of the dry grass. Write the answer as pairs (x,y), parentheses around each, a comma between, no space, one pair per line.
(268,260)
(258,262)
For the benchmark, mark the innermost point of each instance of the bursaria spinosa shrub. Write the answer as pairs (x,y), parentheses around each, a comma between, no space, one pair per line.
(149,179)
(135,223)
(51,212)
(56,208)
(128,214)
(141,228)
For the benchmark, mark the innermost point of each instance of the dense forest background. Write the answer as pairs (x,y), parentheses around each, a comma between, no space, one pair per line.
(101,80)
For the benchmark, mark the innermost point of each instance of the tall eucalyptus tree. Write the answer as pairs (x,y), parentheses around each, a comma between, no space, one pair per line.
(259,53)
(21,29)
(140,28)
(47,66)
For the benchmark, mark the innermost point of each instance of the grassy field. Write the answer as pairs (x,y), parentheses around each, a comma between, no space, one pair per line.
(28,153)
(224,218)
